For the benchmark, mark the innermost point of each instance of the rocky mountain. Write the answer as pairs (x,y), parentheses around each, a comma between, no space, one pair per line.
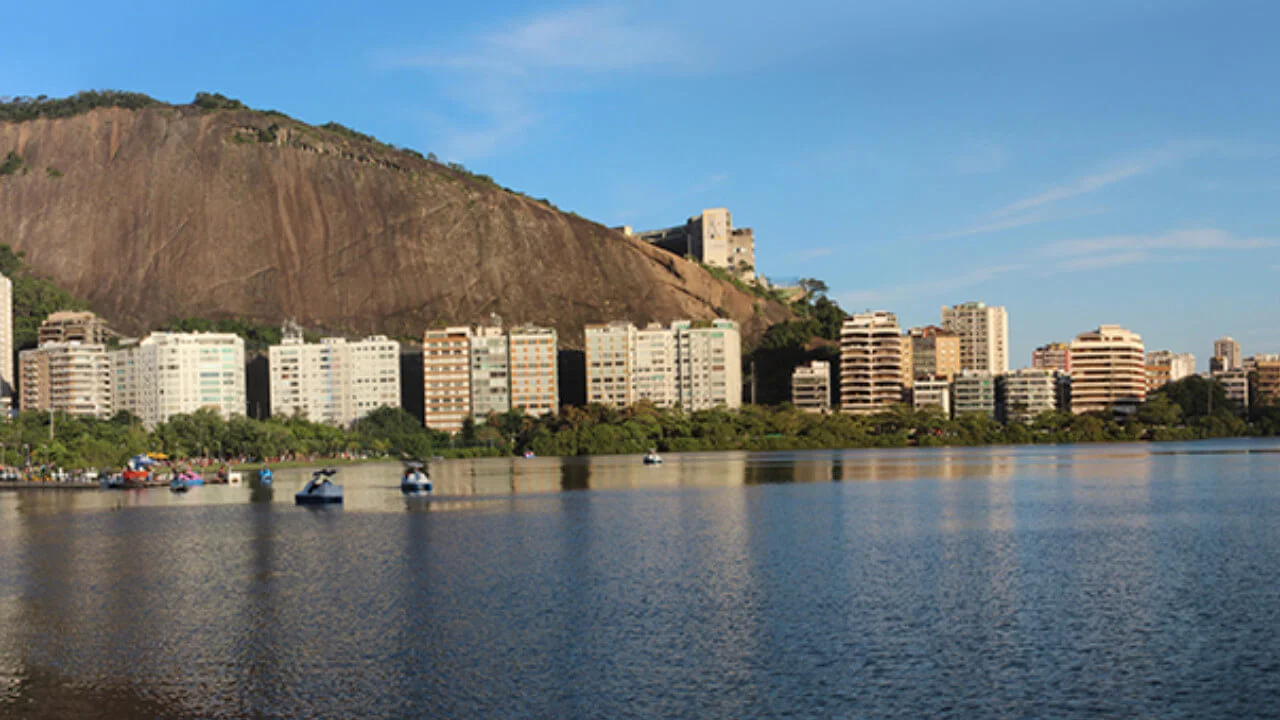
(152,212)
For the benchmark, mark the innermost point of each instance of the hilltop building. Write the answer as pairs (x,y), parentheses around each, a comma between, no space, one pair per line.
(334,381)
(871,363)
(811,387)
(167,374)
(711,239)
(1108,371)
(984,336)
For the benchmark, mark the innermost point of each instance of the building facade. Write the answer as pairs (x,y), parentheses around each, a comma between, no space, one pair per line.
(1054,356)
(1229,351)
(695,364)
(1108,371)
(490,380)
(608,355)
(334,381)
(653,366)
(535,386)
(7,377)
(932,393)
(1028,393)
(871,363)
(710,238)
(70,377)
(974,391)
(85,328)
(167,374)
(709,364)
(811,387)
(1236,385)
(1164,367)
(984,336)
(935,353)
(446,378)
(1268,381)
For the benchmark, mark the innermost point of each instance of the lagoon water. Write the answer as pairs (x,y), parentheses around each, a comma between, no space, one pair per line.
(1089,581)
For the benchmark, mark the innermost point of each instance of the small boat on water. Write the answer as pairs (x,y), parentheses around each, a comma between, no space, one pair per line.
(652,458)
(415,480)
(178,485)
(528,455)
(191,478)
(319,490)
(235,478)
(265,476)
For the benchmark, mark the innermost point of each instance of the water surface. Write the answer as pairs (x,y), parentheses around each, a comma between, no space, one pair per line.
(1089,581)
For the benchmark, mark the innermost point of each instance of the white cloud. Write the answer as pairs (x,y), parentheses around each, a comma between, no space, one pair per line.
(1012,223)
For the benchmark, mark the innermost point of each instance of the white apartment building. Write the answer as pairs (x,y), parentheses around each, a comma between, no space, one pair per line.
(1029,393)
(931,392)
(709,364)
(490,372)
(1229,350)
(984,336)
(653,366)
(1108,372)
(811,387)
(535,378)
(69,377)
(334,381)
(1236,384)
(872,363)
(446,378)
(608,357)
(974,391)
(7,377)
(167,374)
(1181,365)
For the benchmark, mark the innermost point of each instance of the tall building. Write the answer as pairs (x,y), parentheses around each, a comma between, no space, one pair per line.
(334,381)
(1268,387)
(1054,356)
(935,353)
(535,386)
(871,367)
(490,372)
(811,387)
(984,336)
(167,374)
(709,364)
(1176,366)
(1028,393)
(72,326)
(446,378)
(1108,371)
(608,356)
(932,393)
(1229,351)
(1236,385)
(974,391)
(711,239)
(653,367)
(70,377)
(6,344)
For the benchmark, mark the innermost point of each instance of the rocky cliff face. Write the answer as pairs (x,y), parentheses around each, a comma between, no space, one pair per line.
(172,212)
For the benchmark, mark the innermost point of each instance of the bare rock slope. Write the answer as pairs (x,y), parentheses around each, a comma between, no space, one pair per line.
(173,211)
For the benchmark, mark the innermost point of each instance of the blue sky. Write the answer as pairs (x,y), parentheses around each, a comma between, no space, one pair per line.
(1080,162)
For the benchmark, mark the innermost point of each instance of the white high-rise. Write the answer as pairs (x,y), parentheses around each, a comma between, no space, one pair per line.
(872,359)
(334,381)
(1108,371)
(608,352)
(653,366)
(984,336)
(535,376)
(167,374)
(709,364)
(490,372)
(695,364)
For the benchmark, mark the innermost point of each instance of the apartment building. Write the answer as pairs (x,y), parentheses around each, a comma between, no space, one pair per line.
(708,364)
(490,379)
(446,378)
(334,381)
(167,374)
(1164,367)
(1028,393)
(1108,371)
(935,352)
(710,238)
(653,367)
(871,363)
(85,328)
(1236,384)
(811,387)
(1268,376)
(932,393)
(608,357)
(984,336)
(1229,351)
(974,391)
(535,386)
(70,377)
(1054,356)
